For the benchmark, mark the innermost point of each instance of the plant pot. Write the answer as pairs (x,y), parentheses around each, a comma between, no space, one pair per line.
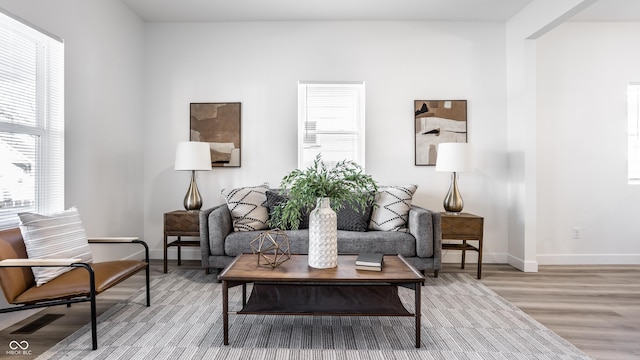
(323,236)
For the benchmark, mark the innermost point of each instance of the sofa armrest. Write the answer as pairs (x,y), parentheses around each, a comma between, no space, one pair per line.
(215,225)
(425,226)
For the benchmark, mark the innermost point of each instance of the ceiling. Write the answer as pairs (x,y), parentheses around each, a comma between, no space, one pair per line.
(310,10)
(611,10)
(292,10)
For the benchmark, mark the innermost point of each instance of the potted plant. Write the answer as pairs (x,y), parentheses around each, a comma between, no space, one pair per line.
(320,186)
(345,183)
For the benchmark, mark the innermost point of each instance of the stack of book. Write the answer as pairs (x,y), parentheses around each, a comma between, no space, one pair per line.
(369,261)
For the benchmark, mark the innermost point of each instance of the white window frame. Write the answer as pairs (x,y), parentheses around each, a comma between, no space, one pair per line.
(306,125)
(48,122)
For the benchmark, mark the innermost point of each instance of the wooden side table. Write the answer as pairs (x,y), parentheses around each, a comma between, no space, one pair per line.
(463,226)
(180,223)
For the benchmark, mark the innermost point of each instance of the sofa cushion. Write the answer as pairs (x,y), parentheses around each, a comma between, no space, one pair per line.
(246,205)
(391,208)
(349,242)
(55,236)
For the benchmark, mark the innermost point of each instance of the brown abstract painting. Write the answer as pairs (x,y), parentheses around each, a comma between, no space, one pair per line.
(219,125)
(438,121)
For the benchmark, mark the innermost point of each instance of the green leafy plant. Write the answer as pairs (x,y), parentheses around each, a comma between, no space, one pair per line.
(346,182)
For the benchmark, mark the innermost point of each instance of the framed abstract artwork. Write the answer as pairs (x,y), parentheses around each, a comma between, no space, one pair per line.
(437,121)
(219,125)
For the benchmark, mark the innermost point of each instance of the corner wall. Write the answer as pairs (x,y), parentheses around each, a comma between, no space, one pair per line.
(523,29)
(583,72)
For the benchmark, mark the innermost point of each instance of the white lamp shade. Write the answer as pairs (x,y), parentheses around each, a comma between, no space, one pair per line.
(192,155)
(453,157)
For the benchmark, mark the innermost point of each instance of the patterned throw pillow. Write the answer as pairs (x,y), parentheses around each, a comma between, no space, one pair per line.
(54,236)
(247,207)
(391,208)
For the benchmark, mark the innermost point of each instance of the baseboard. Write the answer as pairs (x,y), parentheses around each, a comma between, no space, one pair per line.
(448,256)
(451,256)
(455,256)
(589,259)
(522,265)
(186,253)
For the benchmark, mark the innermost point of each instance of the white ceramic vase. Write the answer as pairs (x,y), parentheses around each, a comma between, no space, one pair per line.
(323,236)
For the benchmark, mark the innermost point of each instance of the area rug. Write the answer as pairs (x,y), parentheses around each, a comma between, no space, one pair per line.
(461,319)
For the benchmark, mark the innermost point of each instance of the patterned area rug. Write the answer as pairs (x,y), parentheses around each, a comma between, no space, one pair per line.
(461,319)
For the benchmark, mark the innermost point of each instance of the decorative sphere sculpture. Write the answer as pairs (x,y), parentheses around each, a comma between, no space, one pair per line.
(271,247)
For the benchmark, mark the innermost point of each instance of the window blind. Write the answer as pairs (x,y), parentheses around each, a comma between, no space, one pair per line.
(331,122)
(31,121)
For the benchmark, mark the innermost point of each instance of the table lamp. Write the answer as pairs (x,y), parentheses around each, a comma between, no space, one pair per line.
(192,156)
(453,157)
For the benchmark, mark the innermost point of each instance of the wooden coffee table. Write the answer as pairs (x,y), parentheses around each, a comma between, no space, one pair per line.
(294,288)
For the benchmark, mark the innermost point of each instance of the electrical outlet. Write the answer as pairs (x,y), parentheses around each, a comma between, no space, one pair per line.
(576,232)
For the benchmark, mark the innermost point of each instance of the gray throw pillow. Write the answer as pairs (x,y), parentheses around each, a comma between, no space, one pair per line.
(275,198)
(352,218)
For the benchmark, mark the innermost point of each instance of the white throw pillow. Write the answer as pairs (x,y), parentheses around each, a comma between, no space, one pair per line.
(391,208)
(54,236)
(247,207)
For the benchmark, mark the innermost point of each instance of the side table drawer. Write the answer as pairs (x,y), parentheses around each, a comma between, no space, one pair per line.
(461,226)
(182,222)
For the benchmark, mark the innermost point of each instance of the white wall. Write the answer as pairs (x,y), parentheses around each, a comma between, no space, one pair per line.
(104,53)
(583,72)
(259,65)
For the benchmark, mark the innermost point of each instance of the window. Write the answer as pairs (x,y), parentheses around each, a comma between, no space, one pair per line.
(634,133)
(31,121)
(330,122)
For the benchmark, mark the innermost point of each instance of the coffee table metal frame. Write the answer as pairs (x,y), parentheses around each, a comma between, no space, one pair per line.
(397,272)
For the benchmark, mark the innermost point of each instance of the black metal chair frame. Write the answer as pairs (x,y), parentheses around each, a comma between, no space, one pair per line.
(92,291)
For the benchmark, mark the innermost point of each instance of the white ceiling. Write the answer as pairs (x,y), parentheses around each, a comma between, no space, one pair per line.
(611,10)
(309,10)
(292,10)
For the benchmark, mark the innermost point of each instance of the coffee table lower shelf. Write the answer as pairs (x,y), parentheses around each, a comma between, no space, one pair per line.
(324,299)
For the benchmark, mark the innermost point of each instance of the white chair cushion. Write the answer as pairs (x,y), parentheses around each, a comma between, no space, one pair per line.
(59,235)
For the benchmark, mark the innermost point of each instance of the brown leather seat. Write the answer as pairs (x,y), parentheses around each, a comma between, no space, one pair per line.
(19,286)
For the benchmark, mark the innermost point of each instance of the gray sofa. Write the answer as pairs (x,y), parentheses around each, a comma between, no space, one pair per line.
(421,245)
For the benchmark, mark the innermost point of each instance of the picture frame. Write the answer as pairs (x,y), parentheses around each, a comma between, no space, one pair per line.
(437,121)
(218,124)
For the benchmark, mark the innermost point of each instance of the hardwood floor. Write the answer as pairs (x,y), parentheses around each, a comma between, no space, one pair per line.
(596,308)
